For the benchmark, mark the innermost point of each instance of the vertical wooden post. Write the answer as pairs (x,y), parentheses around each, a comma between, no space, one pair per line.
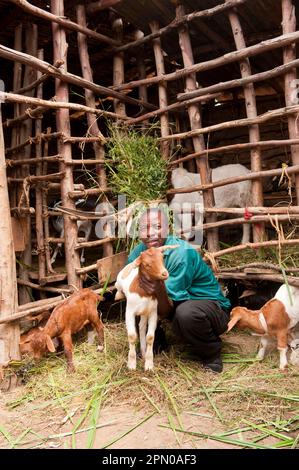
(9,332)
(93,127)
(38,190)
(45,209)
(31,39)
(202,163)
(65,149)
(141,70)
(290,84)
(162,89)
(118,65)
(254,133)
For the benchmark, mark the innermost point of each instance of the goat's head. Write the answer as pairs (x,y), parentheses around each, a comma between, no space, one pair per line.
(151,263)
(37,344)
(241,316)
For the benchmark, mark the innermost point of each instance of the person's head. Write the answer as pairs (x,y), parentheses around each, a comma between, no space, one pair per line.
(153,227)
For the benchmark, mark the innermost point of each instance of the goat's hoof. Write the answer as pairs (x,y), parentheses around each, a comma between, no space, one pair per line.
(100,348)
(284,368)
(71,369)
(148,366)
(131,366)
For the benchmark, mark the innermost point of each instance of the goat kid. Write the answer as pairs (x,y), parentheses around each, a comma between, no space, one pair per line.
(84,226)
(275,319)
(232,195)
(67,319)
(139,303)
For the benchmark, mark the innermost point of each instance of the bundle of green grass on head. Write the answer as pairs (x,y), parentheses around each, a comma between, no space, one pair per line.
(136,167)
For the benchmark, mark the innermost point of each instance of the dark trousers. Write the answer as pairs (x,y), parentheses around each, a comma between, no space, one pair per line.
(199,323)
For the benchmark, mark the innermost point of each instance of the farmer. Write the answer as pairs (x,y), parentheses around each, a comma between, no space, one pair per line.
(191,296)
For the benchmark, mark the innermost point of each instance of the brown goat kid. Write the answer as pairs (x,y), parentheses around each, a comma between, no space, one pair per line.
(66,319)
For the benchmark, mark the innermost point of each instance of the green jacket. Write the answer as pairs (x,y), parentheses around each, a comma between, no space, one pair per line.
(189,276)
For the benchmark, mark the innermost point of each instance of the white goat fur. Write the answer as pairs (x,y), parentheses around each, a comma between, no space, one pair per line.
(291,305)
(146,308)
(232,195)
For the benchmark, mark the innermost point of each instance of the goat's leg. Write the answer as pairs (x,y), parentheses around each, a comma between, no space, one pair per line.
(150,336)
(282,346)
(263,346)
(142,334)
(68,350)
(132,337)
(99,327)
(246,234)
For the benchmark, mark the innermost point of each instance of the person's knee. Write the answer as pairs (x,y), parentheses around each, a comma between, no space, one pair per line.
(187,312)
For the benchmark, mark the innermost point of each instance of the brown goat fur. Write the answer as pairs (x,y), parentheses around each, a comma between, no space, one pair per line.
(67,319)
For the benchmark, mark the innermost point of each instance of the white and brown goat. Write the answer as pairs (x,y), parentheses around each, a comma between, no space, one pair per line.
(139,303)
(277,318)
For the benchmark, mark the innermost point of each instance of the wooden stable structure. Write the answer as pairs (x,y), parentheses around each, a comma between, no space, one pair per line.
(219,75)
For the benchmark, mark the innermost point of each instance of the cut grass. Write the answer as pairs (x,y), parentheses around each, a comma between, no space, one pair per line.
(178,390)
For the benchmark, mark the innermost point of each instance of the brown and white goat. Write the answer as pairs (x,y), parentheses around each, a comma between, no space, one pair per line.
(66,319)
(275,319)
(139,303)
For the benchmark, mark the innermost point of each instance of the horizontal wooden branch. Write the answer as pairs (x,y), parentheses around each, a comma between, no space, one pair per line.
(33,140)
(83,162)
(86,139)
(253,246)
(36,179)
(94,243)
(262,118)
(48,104)
(171,107)
(293,281)
(32,285)
(32,161)
(234,148)
(88,192)
(175,24)
(64,22)
(264,46)
(240,82)
(87,269)
(67,77)
(37,82)
(250,176)
(22,210)
(257,264)
(252,220)
(255,210)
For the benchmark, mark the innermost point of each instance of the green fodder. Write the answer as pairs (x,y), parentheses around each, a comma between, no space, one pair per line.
(136,167)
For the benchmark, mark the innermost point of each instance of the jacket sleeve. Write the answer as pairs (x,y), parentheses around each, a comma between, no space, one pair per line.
(181,273)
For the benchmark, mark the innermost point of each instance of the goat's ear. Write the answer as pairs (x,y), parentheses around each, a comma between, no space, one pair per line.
(167,247)
(137,262)
(233,322)
(50,344)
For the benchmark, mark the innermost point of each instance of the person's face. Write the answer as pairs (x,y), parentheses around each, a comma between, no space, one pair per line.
(153,229)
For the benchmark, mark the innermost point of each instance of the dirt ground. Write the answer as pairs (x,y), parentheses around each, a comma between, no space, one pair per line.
(126,423)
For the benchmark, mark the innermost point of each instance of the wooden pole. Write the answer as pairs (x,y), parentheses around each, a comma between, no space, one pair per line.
(142,90)
(65,149)
(38,191)
(195,123)
(251,112)
(93,127)
(31,40)
(9,334)
(162,90)
(290,83)
(45,210)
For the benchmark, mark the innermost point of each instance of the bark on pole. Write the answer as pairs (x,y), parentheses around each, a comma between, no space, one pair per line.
(38,190)
(202,163)
(9,334)
(31,39)
(141,70)
(162,90)
(65,149)
(254,133)
(93,128)
(290,83)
